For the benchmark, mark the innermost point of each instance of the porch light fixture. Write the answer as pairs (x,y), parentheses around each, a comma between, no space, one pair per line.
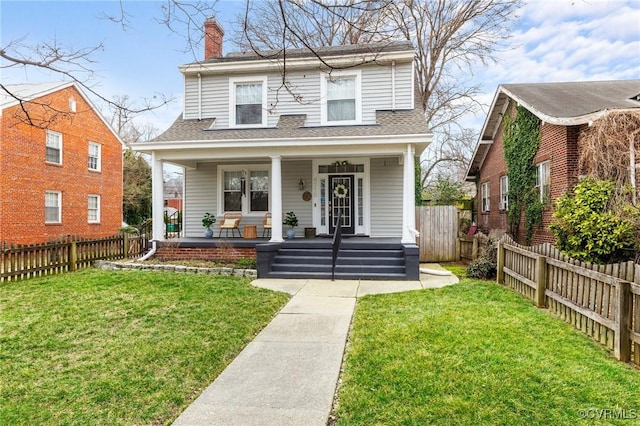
(301,185)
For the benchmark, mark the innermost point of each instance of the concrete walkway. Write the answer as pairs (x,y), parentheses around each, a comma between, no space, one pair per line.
(288,374)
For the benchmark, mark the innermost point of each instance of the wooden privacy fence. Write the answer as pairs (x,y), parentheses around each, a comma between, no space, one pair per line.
(18,262)
(467,248)
(602,301)
(438,226)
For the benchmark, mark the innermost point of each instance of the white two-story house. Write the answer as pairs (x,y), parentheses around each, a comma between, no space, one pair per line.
(278,132)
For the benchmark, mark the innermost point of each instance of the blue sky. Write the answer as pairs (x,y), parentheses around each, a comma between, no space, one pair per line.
(554,40)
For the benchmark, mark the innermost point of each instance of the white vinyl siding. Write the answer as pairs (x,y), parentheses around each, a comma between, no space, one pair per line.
(386,197)
(53,147)
(376,83)
(52,207)
(93,209)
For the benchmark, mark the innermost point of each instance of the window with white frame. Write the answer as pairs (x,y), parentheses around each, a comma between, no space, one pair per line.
(484,192)
(93,209)
(341,98)
(95,153)
(248,102)
(504,193)
(259,191)
(54,147)
(52,207)
(245,190)
(543,180)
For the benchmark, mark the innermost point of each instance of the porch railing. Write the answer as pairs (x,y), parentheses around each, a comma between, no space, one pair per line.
(337,239)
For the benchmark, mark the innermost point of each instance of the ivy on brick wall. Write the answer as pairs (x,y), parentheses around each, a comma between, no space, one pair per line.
(521,139)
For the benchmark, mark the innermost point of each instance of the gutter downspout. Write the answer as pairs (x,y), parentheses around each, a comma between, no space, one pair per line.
(150,253)
(393,85)
(199,96)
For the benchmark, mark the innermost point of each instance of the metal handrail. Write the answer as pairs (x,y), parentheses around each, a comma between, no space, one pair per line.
(337,239)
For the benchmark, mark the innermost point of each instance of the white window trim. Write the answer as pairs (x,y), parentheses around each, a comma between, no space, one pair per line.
(323,91)
(485,197)
(504,192)
(232,100)
(541,185)
(246,202)
(99,162)
(98,209)
(59,194)
(46,146)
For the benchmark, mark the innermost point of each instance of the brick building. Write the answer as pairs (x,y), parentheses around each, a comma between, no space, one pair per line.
(565,109)
(60,165)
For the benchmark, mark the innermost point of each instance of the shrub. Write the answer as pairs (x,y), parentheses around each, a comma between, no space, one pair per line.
(485,265)
(594,225)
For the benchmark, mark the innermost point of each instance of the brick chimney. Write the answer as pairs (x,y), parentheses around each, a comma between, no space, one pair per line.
(213,34)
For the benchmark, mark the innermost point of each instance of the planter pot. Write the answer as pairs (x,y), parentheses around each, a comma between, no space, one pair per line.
(208,233)
(309,232)
(291,233)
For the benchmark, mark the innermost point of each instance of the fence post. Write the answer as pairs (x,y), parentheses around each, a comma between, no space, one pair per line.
(622,344)
(474,250)
(541,281)
(125,245)
(500,265)
(73,256)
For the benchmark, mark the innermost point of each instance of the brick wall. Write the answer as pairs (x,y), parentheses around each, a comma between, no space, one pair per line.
(558,145)
(25,175)
(205,253)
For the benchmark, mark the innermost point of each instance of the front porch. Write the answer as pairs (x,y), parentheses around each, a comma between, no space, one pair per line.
(358,257)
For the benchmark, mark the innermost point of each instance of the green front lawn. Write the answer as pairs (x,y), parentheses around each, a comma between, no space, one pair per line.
(126,347)
(477,354)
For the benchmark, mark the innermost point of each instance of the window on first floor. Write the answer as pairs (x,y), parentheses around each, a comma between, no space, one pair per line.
(504,193)
(93,209)
(245,190)
(54,147)
(52,207)
(543,180)
(484,193)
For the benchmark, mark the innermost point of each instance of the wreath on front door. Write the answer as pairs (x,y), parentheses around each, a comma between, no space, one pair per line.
(340,191)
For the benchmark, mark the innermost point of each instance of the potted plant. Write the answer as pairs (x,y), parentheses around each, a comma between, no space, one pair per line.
(207,221)
(291,221)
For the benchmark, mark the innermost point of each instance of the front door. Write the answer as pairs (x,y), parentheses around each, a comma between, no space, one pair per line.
(342,200)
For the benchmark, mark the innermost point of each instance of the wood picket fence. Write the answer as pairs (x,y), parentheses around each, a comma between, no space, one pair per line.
(602,301)
(19,262)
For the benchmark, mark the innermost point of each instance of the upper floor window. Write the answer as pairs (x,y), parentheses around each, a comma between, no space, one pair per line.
(93,209)
(341,98)
(543,180)
(504,192)
(485,197)
(248,103)
(54,147)
(52,207)
(95,151)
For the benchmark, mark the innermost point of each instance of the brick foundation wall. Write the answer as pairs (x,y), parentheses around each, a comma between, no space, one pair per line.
(205,253)
(25,175)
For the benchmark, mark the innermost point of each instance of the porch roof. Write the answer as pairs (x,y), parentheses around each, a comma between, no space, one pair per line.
(388,123)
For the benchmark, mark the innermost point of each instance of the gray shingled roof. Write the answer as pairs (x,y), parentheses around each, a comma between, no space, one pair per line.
(575,99)
(351,49)
(399,122)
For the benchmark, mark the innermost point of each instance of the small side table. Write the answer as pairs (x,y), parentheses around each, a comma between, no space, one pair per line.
(250,231)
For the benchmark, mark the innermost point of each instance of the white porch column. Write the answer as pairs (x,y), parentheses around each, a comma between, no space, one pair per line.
(408,198)
(276,199)
(157,198)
